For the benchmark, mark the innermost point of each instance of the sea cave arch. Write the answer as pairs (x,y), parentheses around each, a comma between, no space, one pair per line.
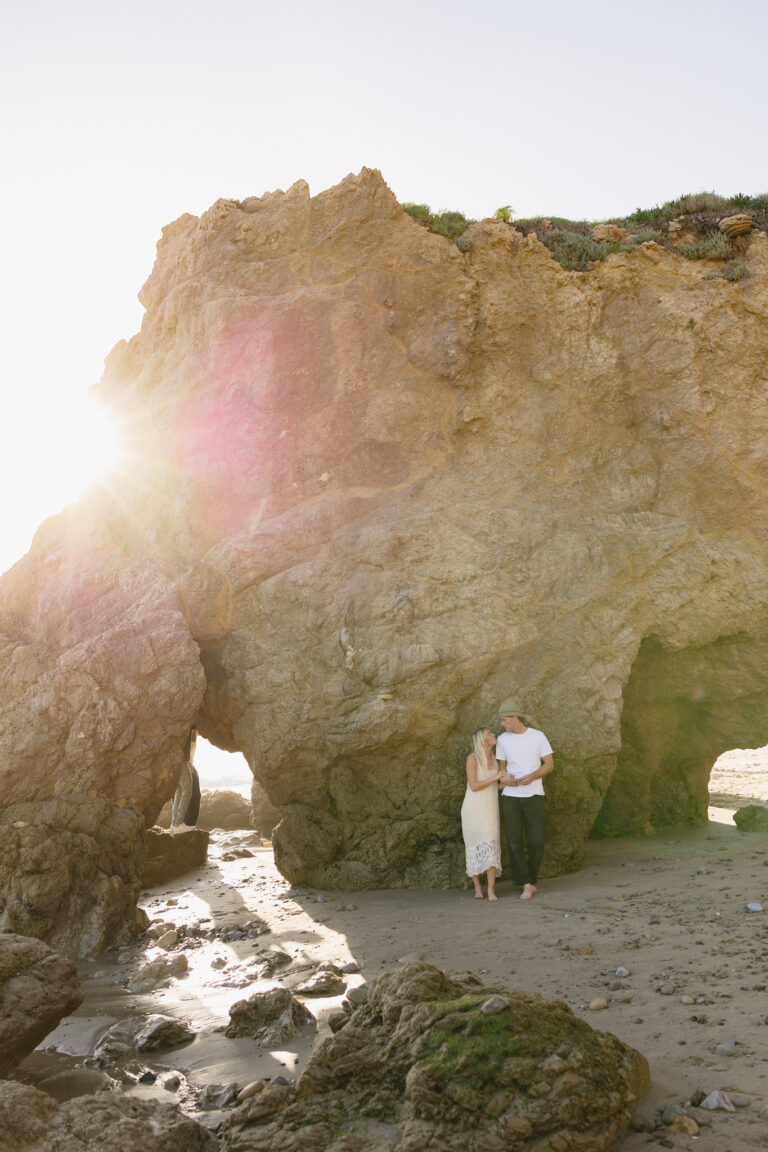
(682,708)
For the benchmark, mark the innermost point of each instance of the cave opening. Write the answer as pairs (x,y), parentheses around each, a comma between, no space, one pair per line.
(220,770)
(682,709)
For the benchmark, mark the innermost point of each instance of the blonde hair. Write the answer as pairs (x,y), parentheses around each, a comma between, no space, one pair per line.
(480,752)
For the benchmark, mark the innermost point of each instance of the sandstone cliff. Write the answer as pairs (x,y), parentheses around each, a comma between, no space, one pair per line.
(375,484)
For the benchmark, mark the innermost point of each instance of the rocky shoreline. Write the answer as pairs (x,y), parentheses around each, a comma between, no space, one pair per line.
(653,941)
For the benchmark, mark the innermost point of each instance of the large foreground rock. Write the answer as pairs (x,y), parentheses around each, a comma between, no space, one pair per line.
(376,484)
(421,1065)
(37,988)
(32,1121)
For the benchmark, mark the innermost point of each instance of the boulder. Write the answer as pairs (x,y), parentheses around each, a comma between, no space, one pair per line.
(224,809)
(37,988)
(171,854)
(270,1018)
(32,1121)
(124,1039)
(347,555)
(738,225)
(751,818)
(422,1062)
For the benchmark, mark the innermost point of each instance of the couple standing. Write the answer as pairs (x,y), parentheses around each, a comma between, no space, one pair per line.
(524,758)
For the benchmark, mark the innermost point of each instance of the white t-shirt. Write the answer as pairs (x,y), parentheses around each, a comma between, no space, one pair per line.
(522,753)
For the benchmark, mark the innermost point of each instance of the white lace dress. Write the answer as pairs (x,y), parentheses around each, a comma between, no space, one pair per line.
(480,826)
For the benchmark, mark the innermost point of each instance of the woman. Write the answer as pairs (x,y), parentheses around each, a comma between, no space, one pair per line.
(480,814)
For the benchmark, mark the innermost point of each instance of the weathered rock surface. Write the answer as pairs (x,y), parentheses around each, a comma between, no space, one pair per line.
(751,818)
(32,1121)
(171,854)
(420,1065)
(377,484)
(270,1017)
(37,988)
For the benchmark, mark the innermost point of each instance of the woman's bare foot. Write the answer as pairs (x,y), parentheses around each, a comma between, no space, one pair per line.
(529,891)
(492,896)
(478,893)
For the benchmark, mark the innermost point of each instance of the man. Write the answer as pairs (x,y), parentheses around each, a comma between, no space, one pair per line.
(186,802)
(526,755)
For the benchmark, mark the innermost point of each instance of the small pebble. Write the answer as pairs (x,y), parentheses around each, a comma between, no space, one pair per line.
(623,972)
(598,1004)
(755,906)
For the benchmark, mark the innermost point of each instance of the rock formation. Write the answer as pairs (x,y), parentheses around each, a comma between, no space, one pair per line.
(37,988)
(373,484)
(34,1121)
(434,1062)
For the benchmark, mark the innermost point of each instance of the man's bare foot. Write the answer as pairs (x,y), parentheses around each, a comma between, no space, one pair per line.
(492,896)
(529,891)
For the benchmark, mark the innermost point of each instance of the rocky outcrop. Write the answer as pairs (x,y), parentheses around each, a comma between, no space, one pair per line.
(37,988)
(376,484)
(32,1120)
(434,1062)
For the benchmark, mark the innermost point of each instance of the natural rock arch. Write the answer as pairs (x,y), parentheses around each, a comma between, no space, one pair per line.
(375,484)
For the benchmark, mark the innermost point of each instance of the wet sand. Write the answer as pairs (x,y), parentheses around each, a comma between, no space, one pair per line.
(671,909)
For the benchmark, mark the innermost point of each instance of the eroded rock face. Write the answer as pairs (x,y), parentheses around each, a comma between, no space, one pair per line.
(421,1063)
(33,1120)
(37,988)
(378,484)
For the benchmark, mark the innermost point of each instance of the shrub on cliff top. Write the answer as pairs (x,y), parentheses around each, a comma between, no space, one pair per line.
(445,223)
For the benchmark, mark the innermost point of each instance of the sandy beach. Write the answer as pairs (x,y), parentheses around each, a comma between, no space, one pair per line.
(671,910)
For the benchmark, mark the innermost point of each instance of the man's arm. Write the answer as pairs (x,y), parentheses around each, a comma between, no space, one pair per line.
(546,766)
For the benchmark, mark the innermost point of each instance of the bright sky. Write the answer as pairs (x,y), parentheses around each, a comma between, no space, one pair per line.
(118,117)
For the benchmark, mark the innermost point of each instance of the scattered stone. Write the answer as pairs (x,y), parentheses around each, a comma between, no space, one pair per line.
(218,962)
(726,1048)
(494,1005)
(740,1101)
(168,939)
(270,1017)
(218,1096)
(755,906)
(598,1004)
(687,1000)
(147,1077)
(623,972)
(171,1082)
(684,1125)
(251,1089)
(671,1112)
(718,1100)
(350,968)
(410,958)
(159,1031)
(667,990)
(326,981)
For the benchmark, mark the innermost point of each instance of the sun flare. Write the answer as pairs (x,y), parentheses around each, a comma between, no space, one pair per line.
(85,449)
